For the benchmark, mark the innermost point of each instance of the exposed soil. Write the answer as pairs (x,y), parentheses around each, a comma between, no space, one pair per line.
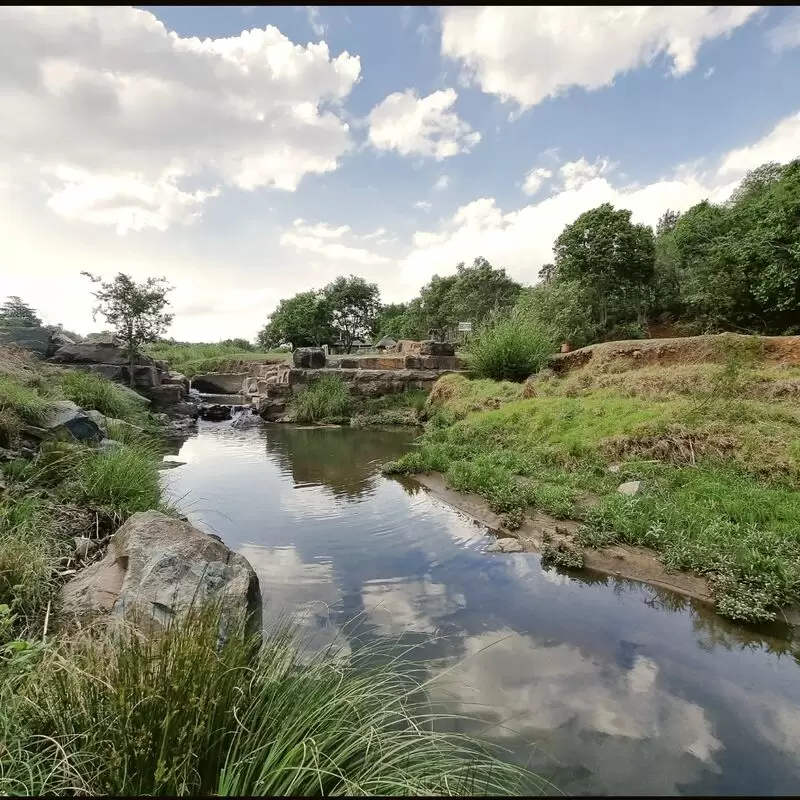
(783,350)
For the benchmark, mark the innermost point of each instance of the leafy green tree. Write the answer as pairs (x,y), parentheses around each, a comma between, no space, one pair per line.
(561,309)
(135,311)
(613,259)
(301,321)
(15,313)
(354,305)
(479,290)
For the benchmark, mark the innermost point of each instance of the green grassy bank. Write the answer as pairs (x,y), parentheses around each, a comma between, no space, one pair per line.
(715,446)
(197,359)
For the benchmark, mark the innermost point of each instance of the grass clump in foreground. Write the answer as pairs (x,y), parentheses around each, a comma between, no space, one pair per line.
(719,467)
(181,715)
(326,399)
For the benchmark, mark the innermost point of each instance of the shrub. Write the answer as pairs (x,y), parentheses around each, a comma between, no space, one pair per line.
(92,391)
(509,348)
(326,398)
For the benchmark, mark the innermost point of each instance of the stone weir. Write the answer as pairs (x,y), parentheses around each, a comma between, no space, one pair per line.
(372,377)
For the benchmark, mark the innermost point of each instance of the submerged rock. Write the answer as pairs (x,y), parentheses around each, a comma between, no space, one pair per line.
(505,545)
(157,568)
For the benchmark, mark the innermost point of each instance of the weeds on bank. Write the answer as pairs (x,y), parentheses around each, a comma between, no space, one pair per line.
(93,391)
(719,471)
(181,715)
(327,398)
(195,359)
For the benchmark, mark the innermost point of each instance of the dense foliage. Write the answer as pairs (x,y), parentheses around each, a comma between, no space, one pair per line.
(17,313)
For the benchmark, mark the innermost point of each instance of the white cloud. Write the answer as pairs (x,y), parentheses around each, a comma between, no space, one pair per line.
(423,205)
(421,126)
(318,239)
(782,144)
(535,179)
(526,54)
(786,35)
(522,240)
(442,182)
(708,73)
(120,114)
(575,174)
(312,12)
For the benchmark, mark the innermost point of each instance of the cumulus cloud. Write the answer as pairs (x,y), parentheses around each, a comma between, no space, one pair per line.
(421,126)
(535,179)
(120,114)
(526,54)
(522,240)
(442,182)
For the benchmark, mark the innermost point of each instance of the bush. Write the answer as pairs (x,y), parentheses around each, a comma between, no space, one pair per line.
(19,404)
(91,391)
(510,348)
(326,398)
(179,715)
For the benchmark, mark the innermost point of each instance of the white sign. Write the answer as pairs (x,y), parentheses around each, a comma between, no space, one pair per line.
(465,327)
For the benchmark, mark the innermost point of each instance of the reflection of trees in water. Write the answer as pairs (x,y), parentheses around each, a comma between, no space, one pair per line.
(345,460)
(712,630)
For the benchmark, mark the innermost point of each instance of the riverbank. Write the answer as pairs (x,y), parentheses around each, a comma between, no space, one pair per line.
(697,462)
(197,691)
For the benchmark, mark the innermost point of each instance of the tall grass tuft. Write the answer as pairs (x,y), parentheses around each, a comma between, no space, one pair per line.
(509,348)
(92,391)
(120,481)
(326,398)
(179,715)
(19,404)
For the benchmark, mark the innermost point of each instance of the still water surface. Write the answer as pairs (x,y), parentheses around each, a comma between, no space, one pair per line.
(603,686)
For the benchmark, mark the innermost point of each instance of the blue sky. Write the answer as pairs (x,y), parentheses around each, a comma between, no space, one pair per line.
(247,153)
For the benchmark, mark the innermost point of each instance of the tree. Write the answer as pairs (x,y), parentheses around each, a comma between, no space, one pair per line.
(667,222)
(354,306)
(15,313)
(136,311)
(613,259)
(300,321)
(561,309)
(479,290)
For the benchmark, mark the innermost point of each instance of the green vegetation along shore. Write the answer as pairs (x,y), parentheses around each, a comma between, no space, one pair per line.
(710,449)
(93,711)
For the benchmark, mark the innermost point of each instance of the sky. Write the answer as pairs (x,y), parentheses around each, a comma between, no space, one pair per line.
(247,153)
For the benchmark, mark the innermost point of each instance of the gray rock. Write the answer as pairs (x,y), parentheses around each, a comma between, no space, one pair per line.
(133,395)
(108,445)
(84,546)
(247,419)
(165,396)
(309,357)
(613,468)
(215,413)
(98,420)
(65,422)
(433,348)
(505,545)
(630,488)
(157,568)
(98,353)
(220,382)
(34,339)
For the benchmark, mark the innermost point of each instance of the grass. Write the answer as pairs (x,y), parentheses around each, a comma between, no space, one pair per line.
(402,408)
(93,391)
(327,398)
(20,404)
(717,450)
(179,715)
(196,359)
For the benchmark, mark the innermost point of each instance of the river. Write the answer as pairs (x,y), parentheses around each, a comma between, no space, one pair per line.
(601,685)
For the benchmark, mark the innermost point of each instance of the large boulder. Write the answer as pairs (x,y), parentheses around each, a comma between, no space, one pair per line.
(309,358)
(98,353)
(220,382)
(215,413)
(66,421)
(34,339)
(157,568)
(165,396)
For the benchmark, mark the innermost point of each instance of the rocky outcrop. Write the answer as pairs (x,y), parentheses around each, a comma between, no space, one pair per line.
(156,569)
(220,382)
(66,421)
(434,348)
(36,340)
(309,358)
(99,353)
